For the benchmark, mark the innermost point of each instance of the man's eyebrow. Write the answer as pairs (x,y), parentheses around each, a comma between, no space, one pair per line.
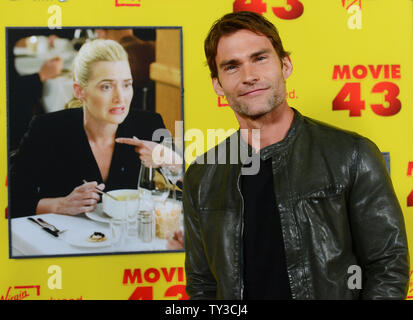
(260,52)
(228,62)
(236,61)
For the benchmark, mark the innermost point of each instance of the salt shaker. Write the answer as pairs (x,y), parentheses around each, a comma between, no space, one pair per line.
(146,220)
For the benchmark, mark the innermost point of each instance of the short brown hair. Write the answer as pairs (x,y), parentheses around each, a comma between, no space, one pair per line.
(233,22)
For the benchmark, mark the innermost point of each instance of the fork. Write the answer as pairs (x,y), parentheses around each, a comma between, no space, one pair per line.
(50,226)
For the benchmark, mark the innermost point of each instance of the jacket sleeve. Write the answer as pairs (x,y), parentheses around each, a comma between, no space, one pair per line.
(377,225)
(200,282)
(25,167)
(159,121)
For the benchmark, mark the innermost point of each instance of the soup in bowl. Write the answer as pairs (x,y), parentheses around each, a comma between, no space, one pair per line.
(126,205)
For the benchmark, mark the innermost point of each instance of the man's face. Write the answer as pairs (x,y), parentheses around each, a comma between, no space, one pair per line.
(250,74)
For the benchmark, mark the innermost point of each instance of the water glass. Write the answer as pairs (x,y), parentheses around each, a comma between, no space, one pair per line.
(118,231)
(131,207)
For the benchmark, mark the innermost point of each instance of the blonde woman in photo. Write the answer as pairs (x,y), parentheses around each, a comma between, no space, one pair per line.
(62,149)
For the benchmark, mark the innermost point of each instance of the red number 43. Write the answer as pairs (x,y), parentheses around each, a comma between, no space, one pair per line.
(293,9)
(349,98)
(146,293)
(410,174)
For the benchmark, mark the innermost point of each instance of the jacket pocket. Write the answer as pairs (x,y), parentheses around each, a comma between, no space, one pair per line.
(322,218)
(325,229)
(330,191)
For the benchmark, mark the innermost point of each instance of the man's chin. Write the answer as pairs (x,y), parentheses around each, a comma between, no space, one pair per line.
(263,109)
(252,114)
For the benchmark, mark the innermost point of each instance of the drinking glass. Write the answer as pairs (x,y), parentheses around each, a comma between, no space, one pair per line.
(173,158)
(132,209)
(152,184)
(168,218)
(118,231)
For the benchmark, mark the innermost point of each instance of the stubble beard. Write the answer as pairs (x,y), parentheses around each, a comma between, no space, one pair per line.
(247,110)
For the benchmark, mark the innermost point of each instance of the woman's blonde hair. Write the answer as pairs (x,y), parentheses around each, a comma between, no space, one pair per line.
(93,51)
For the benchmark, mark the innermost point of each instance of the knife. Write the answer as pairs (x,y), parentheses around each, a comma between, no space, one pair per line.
(53,233)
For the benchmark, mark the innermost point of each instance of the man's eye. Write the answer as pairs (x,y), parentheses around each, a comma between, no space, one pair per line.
(261,58)
(230,68)
(128,84)
(106,87)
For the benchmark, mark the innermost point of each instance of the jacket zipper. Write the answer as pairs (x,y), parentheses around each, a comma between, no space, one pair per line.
(241,276)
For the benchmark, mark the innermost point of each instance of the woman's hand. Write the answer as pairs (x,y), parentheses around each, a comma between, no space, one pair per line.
(82,199)
(143,147)
(176,242)
(154,154)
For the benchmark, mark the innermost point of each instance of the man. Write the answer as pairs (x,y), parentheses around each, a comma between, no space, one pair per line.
(320,212)
(141,54)
(22,107)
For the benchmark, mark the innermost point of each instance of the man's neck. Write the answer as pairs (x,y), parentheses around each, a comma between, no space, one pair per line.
(273,127)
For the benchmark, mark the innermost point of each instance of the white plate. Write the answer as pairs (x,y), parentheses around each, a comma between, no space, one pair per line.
(80,238)
(98,215)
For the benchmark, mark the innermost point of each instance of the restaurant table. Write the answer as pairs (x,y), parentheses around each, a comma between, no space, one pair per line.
(29,239)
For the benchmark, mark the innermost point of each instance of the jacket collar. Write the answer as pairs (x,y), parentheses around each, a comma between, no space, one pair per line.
(234,150)
(278,147)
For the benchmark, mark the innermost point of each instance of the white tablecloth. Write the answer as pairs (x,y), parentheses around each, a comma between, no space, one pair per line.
(29,239)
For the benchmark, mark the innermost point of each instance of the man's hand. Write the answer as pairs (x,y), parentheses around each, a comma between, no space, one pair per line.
(51,69)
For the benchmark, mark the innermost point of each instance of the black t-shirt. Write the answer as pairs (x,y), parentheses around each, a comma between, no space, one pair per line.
(265,274)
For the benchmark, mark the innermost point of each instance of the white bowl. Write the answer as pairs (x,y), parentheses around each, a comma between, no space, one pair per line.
(127,205)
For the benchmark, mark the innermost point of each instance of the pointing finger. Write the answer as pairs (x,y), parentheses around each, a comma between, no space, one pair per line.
(130,141)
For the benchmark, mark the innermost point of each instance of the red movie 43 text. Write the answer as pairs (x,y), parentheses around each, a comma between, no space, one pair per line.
(410,174)
(350,97)
(152,276)
(293,9)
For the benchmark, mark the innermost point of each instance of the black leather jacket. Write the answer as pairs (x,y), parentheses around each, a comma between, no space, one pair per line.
(337,207)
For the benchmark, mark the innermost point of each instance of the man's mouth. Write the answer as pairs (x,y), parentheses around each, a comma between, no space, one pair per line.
(253,92)
(117,110)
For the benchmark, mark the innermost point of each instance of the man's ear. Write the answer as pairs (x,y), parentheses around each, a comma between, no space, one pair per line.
(217,87)
(78,91)
(287,67)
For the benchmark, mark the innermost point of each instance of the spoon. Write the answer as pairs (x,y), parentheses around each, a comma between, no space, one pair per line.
(105,193)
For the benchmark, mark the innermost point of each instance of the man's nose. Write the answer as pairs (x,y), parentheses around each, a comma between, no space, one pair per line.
(250,74)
